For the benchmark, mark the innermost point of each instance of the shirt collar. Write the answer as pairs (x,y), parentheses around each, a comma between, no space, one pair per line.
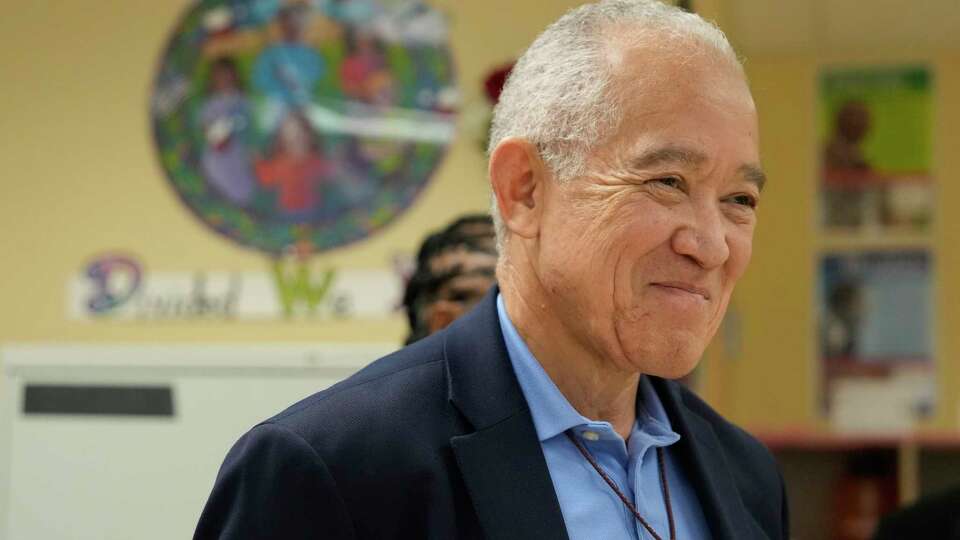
(551,412)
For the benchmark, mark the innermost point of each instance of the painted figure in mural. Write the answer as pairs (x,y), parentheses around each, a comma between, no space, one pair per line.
(359,180)
(225,115)
(363,73)
(455,269)
(289,69)
(295,168)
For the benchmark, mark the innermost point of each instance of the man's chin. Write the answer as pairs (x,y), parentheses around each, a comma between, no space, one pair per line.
(672,360)
(674,369)
(681,369)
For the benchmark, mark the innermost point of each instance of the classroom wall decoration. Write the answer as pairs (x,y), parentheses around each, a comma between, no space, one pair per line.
(875,301)
(876,308)
(303,125)
(876,148)
(876,339)
(120,286)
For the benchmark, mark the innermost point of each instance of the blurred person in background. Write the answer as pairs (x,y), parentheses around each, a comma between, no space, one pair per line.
(932,517)
(455,268)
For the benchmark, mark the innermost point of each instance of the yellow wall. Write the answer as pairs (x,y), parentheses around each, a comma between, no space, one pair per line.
(769,383)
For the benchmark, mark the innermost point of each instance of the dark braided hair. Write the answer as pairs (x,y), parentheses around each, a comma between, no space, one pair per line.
(472,233)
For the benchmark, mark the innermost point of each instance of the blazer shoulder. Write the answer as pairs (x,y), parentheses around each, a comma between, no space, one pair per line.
(273,485)
(417,364)
(399,397)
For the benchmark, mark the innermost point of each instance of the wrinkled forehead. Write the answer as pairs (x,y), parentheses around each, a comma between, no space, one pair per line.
(651,79)
(660,66)
(698,105)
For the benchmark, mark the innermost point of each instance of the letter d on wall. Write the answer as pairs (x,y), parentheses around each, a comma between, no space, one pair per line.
(116,278)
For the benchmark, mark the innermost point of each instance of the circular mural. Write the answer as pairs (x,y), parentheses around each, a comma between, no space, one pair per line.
(308,124)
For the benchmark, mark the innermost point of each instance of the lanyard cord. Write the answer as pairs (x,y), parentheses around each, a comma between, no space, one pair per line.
(661,463)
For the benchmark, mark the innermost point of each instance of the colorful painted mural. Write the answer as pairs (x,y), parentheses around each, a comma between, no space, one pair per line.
(303,126)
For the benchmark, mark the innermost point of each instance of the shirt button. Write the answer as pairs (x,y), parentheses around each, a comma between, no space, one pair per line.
(591,435)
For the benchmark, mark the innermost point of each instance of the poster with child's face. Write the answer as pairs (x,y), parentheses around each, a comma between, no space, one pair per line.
(303,124)
(875,149)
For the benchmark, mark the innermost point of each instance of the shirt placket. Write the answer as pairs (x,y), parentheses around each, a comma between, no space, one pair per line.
(610,451)
(645,478)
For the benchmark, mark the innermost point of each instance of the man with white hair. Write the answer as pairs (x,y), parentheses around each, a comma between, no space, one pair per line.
(625,172)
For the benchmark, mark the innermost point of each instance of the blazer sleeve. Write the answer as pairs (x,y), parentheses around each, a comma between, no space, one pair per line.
(273,484)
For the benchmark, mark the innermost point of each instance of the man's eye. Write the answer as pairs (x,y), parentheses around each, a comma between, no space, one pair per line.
(745,200)
(669,181)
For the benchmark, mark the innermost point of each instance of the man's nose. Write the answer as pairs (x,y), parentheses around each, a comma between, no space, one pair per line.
(703,239)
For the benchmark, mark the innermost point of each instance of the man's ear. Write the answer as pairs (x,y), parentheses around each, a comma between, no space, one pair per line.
(518,175)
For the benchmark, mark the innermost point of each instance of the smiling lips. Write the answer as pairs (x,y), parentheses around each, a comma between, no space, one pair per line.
(684,287)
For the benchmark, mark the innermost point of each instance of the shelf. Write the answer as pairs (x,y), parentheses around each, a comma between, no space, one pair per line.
(826,441)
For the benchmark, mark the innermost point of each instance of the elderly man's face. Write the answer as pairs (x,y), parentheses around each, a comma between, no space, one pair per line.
(640,256)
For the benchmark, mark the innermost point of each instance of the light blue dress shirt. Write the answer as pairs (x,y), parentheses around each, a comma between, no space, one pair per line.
(591,510)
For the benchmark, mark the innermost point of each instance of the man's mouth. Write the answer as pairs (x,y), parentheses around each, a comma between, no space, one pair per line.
(684,287)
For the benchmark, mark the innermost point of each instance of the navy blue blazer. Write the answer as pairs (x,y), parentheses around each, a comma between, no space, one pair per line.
(436,441)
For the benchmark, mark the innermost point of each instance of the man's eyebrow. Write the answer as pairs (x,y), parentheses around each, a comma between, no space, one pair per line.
(678,155)
(754,174)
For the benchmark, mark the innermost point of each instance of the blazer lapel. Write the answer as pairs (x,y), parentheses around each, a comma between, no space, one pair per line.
(508,481)
(705,465)
(501,462)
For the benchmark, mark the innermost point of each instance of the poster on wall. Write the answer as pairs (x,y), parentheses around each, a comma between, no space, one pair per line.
(875,130)
(303,125)
(876,338)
